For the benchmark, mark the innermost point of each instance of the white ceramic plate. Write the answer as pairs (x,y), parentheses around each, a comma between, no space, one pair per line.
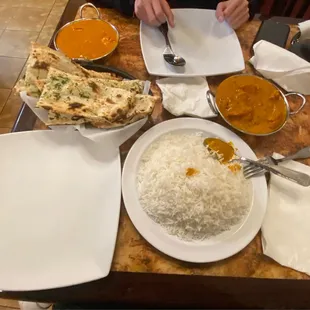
(59,211)
(213,249)
(209,47)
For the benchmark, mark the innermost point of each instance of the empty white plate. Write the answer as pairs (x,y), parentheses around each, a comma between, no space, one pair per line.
(209,47)
(59,211)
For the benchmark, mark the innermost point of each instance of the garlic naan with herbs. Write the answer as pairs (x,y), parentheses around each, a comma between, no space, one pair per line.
(103,103)
(73,95)
(41,58)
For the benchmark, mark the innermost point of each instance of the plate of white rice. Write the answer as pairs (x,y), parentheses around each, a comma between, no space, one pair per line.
(186,203)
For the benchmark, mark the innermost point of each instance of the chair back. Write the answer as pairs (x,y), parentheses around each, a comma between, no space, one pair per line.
(287,8)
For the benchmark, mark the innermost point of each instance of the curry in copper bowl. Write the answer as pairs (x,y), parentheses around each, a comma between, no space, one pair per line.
(252,104)
(87,39)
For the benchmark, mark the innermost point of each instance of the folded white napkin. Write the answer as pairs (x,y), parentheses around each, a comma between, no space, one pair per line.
(285,68)
(185,96)
(304,29)
(286,227)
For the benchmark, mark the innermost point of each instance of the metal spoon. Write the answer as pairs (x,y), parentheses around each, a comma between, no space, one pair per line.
(168,53)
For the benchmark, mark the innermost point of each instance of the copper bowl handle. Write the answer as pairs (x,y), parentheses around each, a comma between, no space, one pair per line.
(211,102)
(88,4)
(304,101)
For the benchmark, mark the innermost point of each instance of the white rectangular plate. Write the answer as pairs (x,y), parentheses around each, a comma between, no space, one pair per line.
(208,46)
(59,211)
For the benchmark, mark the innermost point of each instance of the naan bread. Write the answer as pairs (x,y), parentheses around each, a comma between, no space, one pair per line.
(63,119)
(75,100)
(111,105)
(73,95)
(41,58)
(90,85)
(143,106)
(136,113)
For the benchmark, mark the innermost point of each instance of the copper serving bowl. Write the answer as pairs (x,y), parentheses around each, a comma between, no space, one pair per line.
(79,24)
(213,103)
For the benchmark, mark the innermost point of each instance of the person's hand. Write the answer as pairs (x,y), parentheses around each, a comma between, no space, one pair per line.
(154,12)
(235,12)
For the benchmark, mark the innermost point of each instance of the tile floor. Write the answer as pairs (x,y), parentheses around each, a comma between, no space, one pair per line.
(21,22)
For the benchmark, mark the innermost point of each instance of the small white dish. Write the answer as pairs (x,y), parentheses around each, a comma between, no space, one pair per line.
(208,46)
(209,250)
(59,212)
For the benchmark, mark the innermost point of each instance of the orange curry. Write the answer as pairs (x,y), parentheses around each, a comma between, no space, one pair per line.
(224,150)
(88,39)
(191,171)
(251,104)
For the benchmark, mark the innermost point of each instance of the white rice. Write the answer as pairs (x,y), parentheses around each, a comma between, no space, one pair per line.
(190,207)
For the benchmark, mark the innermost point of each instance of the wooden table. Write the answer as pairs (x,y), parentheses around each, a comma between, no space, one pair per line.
(143,277)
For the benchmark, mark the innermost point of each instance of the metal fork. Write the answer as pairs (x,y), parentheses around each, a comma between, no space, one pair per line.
(269,160)
(289,174)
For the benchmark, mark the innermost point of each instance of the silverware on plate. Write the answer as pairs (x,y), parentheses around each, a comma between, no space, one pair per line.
(269,160)
(289,174)
(168,53)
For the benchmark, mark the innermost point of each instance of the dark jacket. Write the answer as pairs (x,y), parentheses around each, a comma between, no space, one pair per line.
(127,6)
